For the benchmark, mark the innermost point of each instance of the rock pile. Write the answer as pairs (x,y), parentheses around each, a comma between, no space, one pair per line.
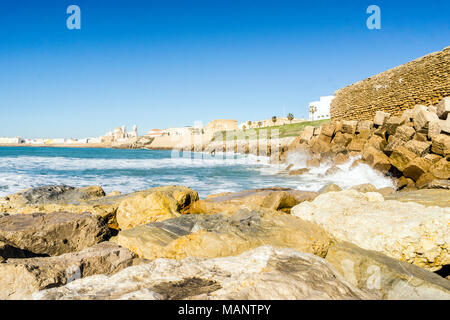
(272,243)
(414,148)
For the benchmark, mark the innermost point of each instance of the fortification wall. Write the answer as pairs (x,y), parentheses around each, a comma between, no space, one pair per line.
(423,81)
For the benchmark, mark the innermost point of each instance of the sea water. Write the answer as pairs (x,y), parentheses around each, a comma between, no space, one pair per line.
(132,170)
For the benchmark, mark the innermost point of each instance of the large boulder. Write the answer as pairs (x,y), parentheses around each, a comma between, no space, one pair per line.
(420,148)
(376,159)
(54,233)
(210,236)
(349,126)
(159,204)
(441,145)
(270,198)
(385,277)
(401,157)
(381,118)
(441,169)
(260,274)
(21,277)
(107,207)
(415,234)
(443,108)
(405,133)
(422,119)
(416,168)
(392,124)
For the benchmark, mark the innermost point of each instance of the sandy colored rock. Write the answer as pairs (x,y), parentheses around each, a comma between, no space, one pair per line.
(328,129)
(298,172)
(219,235)
(393,143)
(439,184)
(264,273)
(425,180)
(441,145)
(377,142)
(422,118)
(331,187)
(420,148)
(366,187)
(426,197)
(364,125)
(313,163)
(156,205)
(441,169)
(400,157)
(349,126)
(21,277)
(414,234)
(269,198)
(357,144)
(405,133)
(433,158)
(417,167)
(381,118)
(385,277)
(105,207)
(443,108)
(53,233)
(340,158)
(392,124)
(376,159)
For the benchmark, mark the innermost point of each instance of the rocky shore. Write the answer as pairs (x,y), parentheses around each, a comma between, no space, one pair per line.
(60,242)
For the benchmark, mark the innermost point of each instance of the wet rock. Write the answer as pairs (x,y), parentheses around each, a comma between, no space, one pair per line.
(415,233)
(385,277)
(298,172)
(269,198)
(377,142)
(313,163)
(393,143)
(210,236)
(54,233)
(262,273)
(21,277)
(376,159)
(439,184)
(357,144)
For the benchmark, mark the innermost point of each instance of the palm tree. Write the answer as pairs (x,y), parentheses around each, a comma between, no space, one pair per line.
(249,123)
(290,117)
(259,124)
(312,110)
(274,119)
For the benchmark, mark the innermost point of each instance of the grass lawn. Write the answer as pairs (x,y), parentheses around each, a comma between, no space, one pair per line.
(287,130)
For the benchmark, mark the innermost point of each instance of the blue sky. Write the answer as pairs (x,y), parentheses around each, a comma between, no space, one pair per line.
(169,63)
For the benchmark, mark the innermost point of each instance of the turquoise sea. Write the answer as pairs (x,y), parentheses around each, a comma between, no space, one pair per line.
(132,170)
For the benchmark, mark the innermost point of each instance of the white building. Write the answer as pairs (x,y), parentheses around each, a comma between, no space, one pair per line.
(319,110)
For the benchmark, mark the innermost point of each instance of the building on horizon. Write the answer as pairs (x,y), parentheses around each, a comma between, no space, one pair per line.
(319,110)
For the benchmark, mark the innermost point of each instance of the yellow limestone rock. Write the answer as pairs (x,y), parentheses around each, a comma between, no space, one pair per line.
(406,231)
(219,235)
(259,274)
(156,204)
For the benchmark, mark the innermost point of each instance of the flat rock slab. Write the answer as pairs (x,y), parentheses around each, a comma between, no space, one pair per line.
(385,277)
(21,277)
(219,235)
(426,197)
(54,233)
(406,231)
(270,198)
(259,274)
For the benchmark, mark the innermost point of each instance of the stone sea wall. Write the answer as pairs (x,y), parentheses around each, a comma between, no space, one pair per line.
(422,81)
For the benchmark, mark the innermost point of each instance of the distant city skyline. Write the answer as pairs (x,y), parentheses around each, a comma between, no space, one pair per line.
(159,64)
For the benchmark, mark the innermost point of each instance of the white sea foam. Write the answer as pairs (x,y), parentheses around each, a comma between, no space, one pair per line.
(207,175)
